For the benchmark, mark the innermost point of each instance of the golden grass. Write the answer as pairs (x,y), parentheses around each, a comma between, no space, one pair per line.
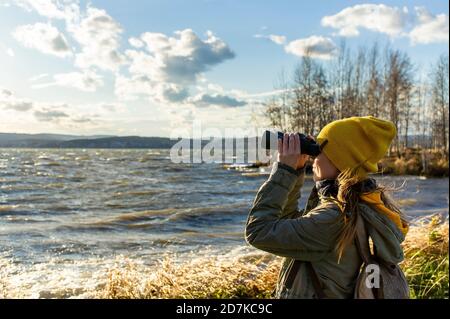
(426,260)
(425,266)
(411,162)
(255,275)
(237,277)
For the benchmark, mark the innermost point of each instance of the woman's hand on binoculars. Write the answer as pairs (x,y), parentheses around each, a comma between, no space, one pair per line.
(289,151)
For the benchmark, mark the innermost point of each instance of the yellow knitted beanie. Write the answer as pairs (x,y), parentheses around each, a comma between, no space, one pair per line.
(357,143)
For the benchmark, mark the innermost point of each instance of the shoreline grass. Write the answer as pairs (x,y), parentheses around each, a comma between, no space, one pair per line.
(251,275)
(425,266)
(416,161)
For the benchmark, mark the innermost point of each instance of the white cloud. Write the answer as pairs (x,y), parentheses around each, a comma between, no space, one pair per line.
(54,9)
(112,107)
(179,59)
(135,42)
(43,37)
(10,52)
(129,89)
(61,115)
(50,115)
(168,66)
(38,77)
(430,28)
(98,35)
(314,46)
(85,81)
(278,39)
(374,17)
(9,101)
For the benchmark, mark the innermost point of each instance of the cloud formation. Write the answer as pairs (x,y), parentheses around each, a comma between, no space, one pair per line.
(179,59)
(164,68)
(9,101)
(99,37)
(430,28)
(204,100)
(374,17)
(278,39)
(49,115)
(43,37)
(87,81)
(53,9)
(423,28)
(314,46)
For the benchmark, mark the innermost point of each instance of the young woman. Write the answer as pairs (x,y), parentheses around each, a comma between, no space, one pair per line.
(322,260)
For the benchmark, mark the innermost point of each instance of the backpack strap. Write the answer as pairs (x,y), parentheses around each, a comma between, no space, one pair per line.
(292,273)
(362,244)
(312,274)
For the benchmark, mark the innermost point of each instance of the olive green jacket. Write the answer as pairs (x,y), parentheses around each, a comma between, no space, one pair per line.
(275,225)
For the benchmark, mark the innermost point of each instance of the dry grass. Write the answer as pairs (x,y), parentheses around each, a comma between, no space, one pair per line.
(426,260)
(255,276)
(413,161)
(197,278)
(426,268)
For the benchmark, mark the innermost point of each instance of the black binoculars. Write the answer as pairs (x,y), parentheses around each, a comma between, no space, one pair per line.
(307,146)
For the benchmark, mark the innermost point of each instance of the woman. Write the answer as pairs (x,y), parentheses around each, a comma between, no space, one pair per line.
(320,238)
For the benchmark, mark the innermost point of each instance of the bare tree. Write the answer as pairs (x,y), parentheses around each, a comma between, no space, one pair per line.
(397,86)
(440,102)
(374,83)
(322,99)
(277,108)
(367,83)
(303,116)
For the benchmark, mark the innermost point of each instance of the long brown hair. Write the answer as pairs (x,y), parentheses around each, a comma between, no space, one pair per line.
(348,198)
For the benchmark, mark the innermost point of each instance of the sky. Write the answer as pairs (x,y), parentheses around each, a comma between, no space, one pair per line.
(153,68)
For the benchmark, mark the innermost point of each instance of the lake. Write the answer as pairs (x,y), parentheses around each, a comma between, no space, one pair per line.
(66,215)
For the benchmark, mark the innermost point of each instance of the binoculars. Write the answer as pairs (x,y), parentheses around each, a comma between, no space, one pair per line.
(307,146)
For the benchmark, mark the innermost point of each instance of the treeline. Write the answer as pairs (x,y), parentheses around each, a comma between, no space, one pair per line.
(382,82)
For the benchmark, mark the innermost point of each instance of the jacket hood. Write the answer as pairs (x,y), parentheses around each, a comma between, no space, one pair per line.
(383,225)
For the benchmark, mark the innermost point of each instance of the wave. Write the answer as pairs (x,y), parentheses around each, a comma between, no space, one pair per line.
(47,164)
(154,219)
(140,193)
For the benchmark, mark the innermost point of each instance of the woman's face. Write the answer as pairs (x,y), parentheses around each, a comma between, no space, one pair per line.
(323,168)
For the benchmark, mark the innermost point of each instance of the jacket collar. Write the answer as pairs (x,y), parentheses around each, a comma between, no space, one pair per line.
(329,187)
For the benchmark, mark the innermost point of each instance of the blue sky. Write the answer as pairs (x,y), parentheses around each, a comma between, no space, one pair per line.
(70,67)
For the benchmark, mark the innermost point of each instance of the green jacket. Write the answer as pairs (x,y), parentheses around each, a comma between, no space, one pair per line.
(275,225)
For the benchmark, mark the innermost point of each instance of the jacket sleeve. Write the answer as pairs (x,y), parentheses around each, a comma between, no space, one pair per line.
(291,208)
(310,237)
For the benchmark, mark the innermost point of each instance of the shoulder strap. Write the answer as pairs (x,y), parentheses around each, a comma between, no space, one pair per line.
(312,273)
(292,273)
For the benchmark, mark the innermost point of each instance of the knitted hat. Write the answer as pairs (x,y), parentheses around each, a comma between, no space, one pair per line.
(357,143)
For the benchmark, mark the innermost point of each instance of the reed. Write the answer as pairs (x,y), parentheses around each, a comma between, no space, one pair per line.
(425,266)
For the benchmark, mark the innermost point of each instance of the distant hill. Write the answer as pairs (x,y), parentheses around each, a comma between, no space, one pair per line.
(52,137)
(73,141)
(102,141)
(120,142)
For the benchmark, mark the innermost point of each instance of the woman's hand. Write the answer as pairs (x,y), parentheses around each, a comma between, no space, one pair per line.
(289,151)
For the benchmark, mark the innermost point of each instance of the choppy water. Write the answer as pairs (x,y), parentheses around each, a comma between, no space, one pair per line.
(66,214)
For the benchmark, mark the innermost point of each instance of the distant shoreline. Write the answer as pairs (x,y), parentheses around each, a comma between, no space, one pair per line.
(417,161)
